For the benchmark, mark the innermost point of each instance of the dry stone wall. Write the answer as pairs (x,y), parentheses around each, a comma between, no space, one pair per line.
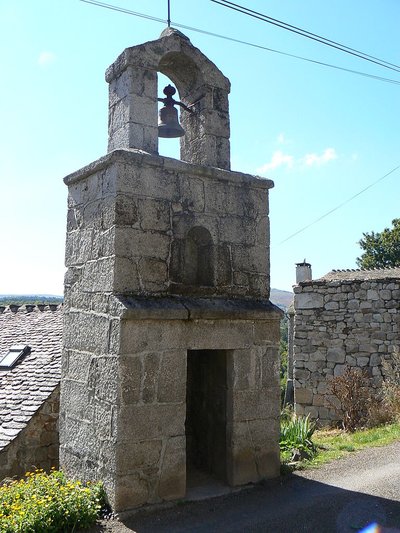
(345,319)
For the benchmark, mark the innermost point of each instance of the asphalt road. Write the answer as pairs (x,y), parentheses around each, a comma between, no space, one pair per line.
(343,497)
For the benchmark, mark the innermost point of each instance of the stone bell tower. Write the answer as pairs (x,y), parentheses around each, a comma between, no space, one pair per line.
(170,360)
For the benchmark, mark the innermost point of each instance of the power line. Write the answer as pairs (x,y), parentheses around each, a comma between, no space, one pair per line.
(307,34)
(339,206)
(310,33)
(239,41)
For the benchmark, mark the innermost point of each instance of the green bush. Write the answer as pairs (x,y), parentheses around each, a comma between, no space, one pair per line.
(48,503)
(296,434)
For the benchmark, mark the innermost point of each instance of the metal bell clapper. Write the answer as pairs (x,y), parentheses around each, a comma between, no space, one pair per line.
(168,122)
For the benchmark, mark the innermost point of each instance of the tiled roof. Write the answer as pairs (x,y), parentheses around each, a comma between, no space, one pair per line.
(24,387)
(363,274)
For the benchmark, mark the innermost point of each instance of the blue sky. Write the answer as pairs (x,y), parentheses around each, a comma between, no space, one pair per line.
(321,134)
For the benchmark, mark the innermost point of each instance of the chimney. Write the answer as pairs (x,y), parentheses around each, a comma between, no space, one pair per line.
(303,272)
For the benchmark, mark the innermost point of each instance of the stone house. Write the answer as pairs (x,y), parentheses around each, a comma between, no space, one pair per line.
(29,387)
(170,357)
(346,318)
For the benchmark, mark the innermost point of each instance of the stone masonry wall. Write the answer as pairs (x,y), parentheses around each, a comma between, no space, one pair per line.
(340,322)
(151,457)
(36,446)
(129,218)
(138,228)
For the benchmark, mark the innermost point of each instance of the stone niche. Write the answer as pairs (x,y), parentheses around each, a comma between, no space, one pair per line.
(170,362)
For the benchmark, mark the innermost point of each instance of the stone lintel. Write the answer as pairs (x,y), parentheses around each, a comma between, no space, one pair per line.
(139,157)
(197,308)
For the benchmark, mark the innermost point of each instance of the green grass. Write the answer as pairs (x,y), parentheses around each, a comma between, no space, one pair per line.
(335,444)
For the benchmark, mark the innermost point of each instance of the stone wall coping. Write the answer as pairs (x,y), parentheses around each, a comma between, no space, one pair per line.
(198,308)
(354,275)
(140,157)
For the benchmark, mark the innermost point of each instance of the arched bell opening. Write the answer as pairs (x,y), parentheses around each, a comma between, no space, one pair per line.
(168,145)
(187,78)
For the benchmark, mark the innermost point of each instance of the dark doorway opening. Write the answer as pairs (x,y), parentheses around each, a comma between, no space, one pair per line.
(206,396)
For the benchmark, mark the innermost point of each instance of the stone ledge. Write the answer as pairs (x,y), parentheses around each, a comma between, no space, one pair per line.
(197,308)
(139,157)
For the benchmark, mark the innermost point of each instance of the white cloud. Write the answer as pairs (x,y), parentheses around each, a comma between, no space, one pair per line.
(281,138)
(278,159)
(314,159)
(46,58)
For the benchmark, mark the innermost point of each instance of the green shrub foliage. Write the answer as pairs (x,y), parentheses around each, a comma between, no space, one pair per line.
(48,503)
(296,434)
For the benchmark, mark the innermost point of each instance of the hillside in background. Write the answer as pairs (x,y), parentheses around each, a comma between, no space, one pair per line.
(21,299)
(281,298)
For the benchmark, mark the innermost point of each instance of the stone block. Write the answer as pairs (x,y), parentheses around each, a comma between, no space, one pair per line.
(172,377)
(154,214)
(152,182)
(153,270)
(191,197)
(98,275)
(237,230)
(375,359)
(331,306)
(244,370)
(131,491)
(193,335)
(250,259)
(78,399)
(302,375)
(130,377)
(303,396)
(134,243)
(308,301)
(76,365)
(372,294)
(312,411)
(127,210)
(172,482)
(102,380)
(336,355)
(126,276)
(133,456)
(270,366)
(253,404)
(150,377)
(339,370)
(151,421)
(267,332)
(318,400)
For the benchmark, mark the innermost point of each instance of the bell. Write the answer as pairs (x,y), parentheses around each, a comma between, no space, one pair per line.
(168,123)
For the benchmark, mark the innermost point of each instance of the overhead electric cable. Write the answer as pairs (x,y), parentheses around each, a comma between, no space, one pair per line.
(308,35)
(339,206)
(238,41)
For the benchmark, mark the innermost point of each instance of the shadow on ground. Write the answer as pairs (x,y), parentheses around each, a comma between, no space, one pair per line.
(294,504)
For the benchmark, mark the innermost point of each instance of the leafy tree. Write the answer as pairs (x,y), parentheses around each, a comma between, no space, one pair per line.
(381,250)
